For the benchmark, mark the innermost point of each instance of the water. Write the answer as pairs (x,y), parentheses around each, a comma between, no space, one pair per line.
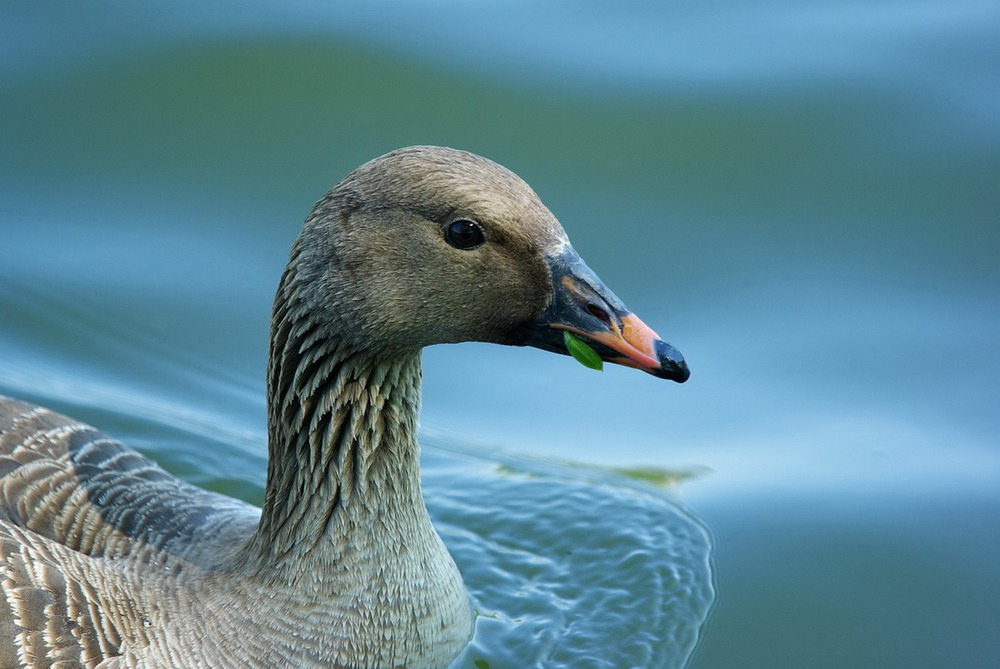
(801,196)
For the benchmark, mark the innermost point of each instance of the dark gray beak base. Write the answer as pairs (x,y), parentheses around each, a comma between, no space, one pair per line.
(584,306)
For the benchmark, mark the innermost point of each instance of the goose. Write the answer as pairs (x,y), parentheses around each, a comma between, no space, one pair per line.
(109,561)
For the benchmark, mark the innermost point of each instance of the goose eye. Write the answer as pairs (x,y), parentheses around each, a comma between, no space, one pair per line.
(464,234)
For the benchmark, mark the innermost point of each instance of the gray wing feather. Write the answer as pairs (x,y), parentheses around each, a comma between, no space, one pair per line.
(82,519)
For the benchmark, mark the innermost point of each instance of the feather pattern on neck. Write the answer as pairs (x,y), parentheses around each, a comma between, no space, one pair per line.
(342,423)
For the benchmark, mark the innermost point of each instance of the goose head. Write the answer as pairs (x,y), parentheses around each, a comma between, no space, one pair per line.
(428,245)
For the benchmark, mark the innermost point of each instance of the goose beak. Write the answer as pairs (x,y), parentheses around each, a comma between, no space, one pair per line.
(584,306)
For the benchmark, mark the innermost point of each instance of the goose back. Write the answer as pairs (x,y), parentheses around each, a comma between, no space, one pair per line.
(92,536)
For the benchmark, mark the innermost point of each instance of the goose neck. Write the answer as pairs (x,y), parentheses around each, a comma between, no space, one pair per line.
(343,452)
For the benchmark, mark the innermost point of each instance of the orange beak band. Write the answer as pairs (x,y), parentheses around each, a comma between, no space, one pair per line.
(635,340)
(583,305)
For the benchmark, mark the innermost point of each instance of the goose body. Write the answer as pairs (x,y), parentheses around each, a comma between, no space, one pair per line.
(106,560)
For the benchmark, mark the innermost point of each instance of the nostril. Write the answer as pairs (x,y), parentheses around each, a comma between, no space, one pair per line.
(597,312)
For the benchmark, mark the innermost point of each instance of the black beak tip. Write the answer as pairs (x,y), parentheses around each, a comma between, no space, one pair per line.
(672,364)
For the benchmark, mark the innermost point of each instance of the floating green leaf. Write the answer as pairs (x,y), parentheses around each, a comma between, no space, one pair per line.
(584,355)
(481,664)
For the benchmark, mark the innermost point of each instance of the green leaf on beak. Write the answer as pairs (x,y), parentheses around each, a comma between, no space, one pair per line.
(584,355)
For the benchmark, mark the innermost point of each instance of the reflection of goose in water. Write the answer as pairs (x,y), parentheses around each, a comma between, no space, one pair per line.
(106,556)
